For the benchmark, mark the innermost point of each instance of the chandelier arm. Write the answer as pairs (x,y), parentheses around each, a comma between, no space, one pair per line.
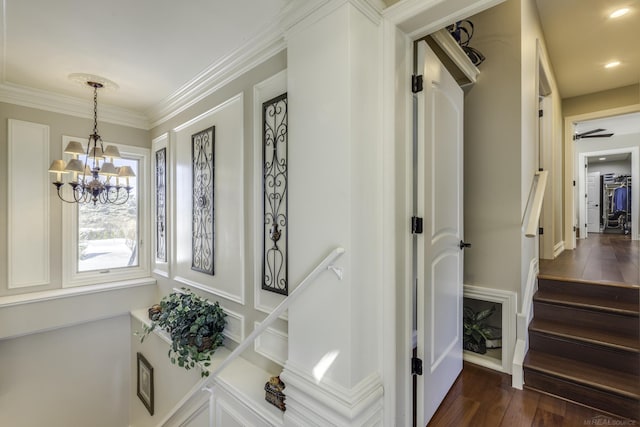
(75,192)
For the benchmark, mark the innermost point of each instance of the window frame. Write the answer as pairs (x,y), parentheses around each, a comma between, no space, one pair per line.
(71,277)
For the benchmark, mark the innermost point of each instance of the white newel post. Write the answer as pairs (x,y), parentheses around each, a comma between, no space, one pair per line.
(334,367)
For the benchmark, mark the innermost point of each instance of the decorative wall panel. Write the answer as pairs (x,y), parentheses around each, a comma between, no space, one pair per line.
(275,183)
(28,211)
(161,205)
(203,156)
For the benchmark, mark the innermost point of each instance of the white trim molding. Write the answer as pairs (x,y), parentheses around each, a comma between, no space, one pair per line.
(69,105)
(523,319)
(272,344)
(508,302)
(321,403)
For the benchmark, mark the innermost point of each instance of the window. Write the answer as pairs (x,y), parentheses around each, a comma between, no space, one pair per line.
(106,243)
(108,234)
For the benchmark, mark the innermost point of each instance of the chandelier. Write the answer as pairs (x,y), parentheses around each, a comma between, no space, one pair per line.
(96,179)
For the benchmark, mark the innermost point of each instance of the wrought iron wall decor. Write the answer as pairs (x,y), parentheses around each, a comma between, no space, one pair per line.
(161,206)
(275,200)
(202,238)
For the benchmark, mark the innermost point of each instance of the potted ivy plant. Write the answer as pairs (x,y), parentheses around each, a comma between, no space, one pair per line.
(476,330)
(195,325)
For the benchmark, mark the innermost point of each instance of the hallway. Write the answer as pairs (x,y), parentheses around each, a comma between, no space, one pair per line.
(600,257)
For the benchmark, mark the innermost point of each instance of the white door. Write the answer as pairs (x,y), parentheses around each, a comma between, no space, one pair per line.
(593,202)
(439,253)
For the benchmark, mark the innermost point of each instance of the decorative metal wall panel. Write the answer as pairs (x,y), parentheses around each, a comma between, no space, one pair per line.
(161,205)
(202,239)
(275,184)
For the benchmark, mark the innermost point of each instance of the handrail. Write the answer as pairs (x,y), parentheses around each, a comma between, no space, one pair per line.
(324,265)
(535,207)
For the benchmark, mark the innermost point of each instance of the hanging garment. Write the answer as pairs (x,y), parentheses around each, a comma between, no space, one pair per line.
(620,199)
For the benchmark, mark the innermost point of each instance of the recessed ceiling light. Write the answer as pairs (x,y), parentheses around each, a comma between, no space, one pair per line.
(612,64)
(620,12)
(602,158)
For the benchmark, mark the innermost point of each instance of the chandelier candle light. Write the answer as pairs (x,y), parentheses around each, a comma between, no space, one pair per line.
(93,180)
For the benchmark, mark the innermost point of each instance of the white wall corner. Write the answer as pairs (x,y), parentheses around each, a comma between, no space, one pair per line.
(321,403)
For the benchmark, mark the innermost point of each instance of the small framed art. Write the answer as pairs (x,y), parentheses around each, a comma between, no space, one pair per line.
(145,382)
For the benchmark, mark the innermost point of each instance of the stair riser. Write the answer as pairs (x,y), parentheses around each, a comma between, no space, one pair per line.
(604,292)
(624,361)
(578,393)
(619,324)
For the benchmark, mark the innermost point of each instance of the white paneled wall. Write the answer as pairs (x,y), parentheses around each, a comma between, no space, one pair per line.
(28,213)
(228,280)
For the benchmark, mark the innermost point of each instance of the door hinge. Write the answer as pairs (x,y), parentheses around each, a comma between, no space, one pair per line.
(574,228)
(540,113)
(540,231)
(416,366)
(416,83)
(585,225)
(416,225)
(574,182)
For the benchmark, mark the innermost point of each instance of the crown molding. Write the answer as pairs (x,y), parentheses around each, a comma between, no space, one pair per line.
(257,49)
(69,105)
(252,53)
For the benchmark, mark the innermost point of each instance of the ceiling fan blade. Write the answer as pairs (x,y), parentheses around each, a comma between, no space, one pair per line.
(602,135)
(589,132)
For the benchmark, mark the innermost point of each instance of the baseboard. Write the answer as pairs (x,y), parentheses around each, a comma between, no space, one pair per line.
(327,403)
(558,249)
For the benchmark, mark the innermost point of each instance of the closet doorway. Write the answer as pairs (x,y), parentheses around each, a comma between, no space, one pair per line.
(608,182)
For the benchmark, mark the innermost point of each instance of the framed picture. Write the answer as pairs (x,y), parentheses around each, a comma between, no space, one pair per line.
(145,382)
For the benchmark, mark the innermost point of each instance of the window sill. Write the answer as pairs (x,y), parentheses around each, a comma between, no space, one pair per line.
(53,294)
(47,310)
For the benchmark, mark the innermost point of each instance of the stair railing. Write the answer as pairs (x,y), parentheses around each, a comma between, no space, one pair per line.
(532,213)
(206,384)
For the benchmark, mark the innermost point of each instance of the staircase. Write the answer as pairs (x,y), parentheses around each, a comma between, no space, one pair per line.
(584,344)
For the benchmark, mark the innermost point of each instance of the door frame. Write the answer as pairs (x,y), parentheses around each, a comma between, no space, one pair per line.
(582,185)
(573,168)
(402,24)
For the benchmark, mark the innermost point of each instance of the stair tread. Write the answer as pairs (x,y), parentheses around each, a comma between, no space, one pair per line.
(631,308)
(610,283)
(596,377)
(604,338)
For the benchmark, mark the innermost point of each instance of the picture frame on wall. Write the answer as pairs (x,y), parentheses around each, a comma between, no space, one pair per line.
(145,382)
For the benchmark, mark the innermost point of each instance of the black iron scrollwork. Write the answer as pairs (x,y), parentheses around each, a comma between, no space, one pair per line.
(275,183)
(202,239)
(161,207)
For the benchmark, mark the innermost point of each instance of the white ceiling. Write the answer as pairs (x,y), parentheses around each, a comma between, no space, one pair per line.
(154,49)
(581,39)
(150,48)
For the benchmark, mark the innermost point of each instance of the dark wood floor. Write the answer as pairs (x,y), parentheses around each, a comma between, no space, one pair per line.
(601,257)
(484,398)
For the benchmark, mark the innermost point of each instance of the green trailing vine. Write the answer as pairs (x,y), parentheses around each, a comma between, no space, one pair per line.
(195,325)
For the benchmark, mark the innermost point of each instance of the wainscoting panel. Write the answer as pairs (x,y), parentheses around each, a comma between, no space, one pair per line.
(272,344)
(28,212)
(227,280)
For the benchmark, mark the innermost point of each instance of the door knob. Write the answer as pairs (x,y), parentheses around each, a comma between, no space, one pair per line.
(464,245)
